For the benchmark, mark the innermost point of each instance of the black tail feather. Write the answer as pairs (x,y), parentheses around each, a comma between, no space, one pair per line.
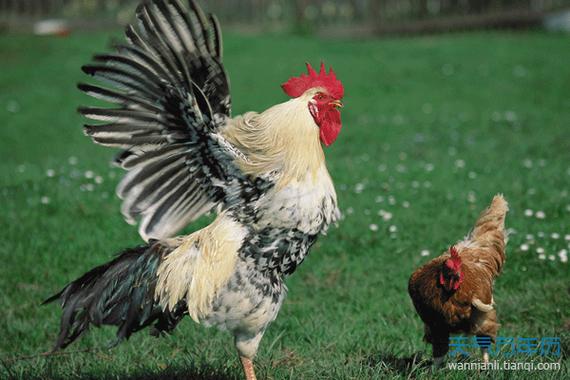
(119,293)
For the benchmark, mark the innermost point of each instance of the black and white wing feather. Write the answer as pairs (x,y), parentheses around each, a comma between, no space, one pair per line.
(171,96)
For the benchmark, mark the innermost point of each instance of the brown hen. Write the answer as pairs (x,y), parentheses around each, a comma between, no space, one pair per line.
(453,293)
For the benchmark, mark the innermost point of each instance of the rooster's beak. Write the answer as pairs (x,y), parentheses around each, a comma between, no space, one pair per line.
(336,104)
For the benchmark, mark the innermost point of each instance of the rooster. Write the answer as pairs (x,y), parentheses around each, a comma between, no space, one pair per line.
(263,174)
(453,293)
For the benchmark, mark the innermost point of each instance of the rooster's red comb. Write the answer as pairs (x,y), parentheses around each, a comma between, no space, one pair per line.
(297,86)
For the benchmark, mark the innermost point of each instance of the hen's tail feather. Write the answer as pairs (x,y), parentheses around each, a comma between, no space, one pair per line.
(119,293)
(489,233)
(492,219)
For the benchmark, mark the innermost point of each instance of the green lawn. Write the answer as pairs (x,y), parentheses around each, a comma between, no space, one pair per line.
(433,128)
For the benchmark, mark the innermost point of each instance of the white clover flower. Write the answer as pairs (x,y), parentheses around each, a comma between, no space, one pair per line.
(44,200)
(510,116)
(50,173)
(379,199)
(551,257)
(472,175)
(555,235)
(349,211)
(524,247)
(72,160)
(393,229)
(359,188)
(424,252)
(460,163)
(542,256)
(89,174)
(406,204)
(540,215)
(528,212)
(373,227)
(539,250)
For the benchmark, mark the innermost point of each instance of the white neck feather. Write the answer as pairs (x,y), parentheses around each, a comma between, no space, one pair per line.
(284,139)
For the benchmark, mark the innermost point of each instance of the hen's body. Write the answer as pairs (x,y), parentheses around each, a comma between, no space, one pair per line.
(469,308)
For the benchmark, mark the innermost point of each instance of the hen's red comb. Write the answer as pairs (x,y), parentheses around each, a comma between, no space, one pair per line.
(453,252)
(455,261)
(296,86)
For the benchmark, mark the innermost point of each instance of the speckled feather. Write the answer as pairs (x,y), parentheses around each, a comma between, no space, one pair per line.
(263,173)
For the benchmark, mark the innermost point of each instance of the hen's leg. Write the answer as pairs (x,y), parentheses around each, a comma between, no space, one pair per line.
(485,353)
(486,330)
(439,342)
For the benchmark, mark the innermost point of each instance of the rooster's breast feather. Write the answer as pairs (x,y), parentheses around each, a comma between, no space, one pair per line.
(172,98)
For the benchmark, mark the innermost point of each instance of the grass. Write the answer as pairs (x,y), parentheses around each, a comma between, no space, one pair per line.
(438,124)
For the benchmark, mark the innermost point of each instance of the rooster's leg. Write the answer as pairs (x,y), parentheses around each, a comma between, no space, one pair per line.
(248,368)
(247,345)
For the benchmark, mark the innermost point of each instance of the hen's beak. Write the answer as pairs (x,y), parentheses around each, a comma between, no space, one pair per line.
(336,104)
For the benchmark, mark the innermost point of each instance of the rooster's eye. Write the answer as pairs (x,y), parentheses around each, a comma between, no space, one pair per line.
(320,95)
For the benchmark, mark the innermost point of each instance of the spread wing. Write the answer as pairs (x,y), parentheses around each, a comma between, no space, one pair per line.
(171,96)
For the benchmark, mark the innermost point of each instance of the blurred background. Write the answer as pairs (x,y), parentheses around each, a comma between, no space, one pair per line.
(447,103)
(323,17)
